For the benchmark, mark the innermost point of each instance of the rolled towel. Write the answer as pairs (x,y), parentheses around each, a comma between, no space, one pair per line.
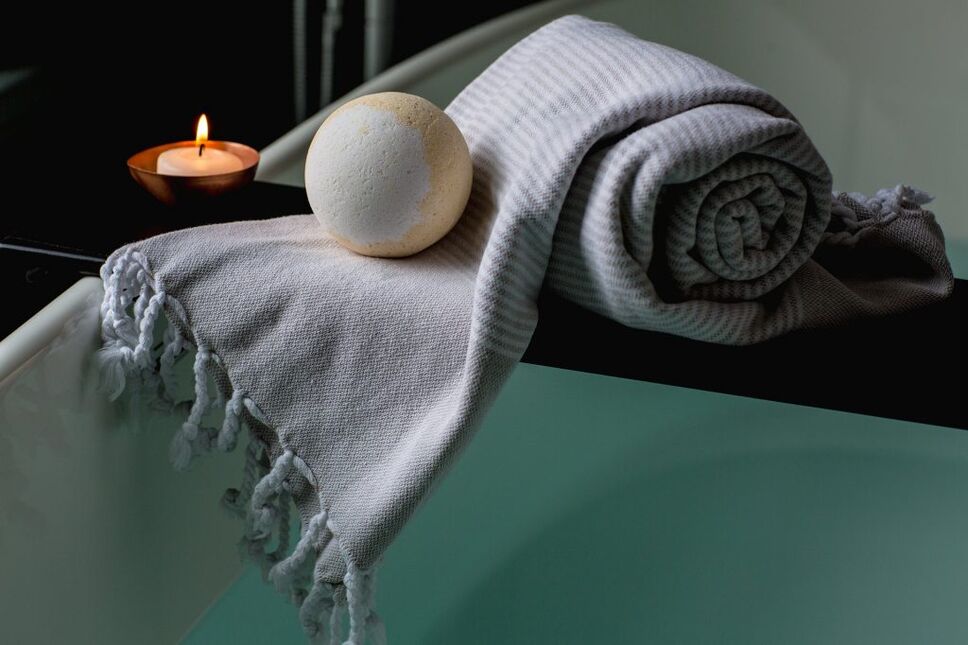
(683,198)
(639,181)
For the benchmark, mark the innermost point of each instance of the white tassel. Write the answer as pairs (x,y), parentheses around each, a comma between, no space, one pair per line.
(228,436)
(317,610)
(304,470)
(284,574)
(128,353)
(142,302)
(255,411)
(853,212)
(111,368)
(128,339)
(282,536)
(336,620)
(263,511)
(236,500)
(359,602)
(181,444)
(174,344)
(116,325)
(142,352)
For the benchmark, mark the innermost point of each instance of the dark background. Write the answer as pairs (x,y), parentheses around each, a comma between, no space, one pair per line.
(116,80)
(83,86)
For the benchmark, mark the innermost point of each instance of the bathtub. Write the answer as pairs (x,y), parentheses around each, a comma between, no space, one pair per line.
(589,508)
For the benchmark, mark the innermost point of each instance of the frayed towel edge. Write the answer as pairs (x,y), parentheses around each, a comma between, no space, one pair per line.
(134,300)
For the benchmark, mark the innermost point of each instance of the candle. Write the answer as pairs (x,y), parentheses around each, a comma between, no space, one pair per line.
(198,160)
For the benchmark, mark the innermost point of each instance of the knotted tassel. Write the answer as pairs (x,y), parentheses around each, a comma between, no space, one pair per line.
(285,573)
(228,436)
(851,213)
(359,602)
(127,339)
(236,500)
(317,610)
(142,302)
(113,377)
(146,332)
(336,618)
(174,344)
(282,537)
(181,445)
(117,327)
(263,508)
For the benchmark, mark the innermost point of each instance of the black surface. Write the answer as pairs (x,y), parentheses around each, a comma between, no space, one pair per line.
(129,214)
(42,256)
(893,367)
(901,367)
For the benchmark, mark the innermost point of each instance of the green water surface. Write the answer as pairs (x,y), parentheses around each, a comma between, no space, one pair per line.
(593,509)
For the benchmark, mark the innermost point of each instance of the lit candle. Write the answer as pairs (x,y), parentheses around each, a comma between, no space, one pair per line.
(198,160)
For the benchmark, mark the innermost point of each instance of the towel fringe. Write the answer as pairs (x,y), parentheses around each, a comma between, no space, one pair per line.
(127,338)
(282,533)
(181,450)
(173,345)
(236,500)
(851,213)
(363,621)
(134,301)
(218,402)
(264,507)
(336,620)
(317,612)
(288,573)
(228,436)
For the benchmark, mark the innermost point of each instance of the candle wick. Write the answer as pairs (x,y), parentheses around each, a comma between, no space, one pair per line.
(201,149)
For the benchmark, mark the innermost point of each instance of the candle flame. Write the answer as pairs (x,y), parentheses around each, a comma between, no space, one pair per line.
(201,132)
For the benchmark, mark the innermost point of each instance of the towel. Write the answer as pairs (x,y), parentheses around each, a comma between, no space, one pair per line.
(636,180)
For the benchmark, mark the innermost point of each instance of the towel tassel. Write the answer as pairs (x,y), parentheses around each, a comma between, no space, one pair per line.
(264,506)
(127,338)
(364,621)
(286,573)
(174,345)
(851,213)
(282,535)
(236,500)
(181,448)
(132,305)
(228,436)
(336,615)
(318,610)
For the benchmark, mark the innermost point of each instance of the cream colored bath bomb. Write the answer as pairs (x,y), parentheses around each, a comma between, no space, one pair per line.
(388,174)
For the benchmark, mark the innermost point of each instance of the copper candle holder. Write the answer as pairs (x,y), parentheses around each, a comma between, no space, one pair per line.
(172,189)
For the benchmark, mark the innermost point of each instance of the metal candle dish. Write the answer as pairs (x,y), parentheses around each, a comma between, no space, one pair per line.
(172,189)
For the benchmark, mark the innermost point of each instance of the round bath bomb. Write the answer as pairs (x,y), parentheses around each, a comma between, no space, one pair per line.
(388,174)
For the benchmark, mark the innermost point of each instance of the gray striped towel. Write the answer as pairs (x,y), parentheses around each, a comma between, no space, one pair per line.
(638,181)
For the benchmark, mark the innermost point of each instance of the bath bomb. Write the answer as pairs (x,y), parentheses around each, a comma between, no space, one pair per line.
(388,174)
